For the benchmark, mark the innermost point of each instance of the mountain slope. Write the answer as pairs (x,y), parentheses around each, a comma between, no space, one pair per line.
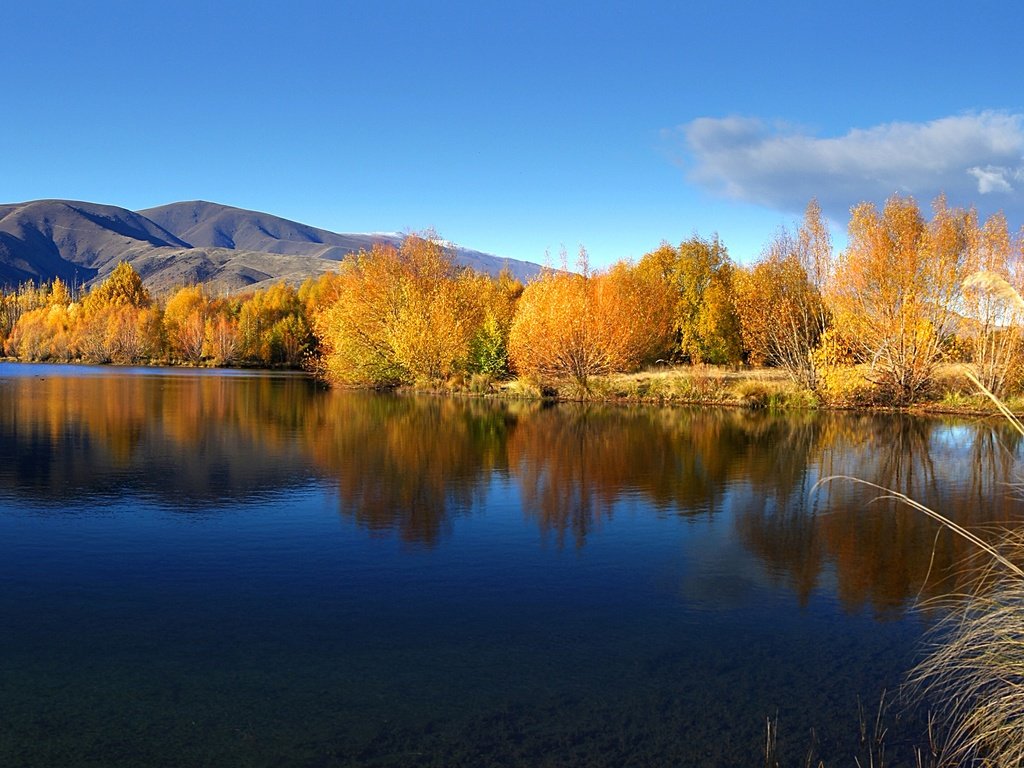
(181,243)
(72,240)
(213,225)
(205,224)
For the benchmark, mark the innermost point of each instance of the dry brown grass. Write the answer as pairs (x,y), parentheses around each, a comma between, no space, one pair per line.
(975,670)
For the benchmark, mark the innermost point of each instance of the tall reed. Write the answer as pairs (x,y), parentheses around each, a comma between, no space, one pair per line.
(974,673)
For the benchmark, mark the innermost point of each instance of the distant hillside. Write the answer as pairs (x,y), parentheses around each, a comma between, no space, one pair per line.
(220,226)
(212,225)
(74,241)
(182,243)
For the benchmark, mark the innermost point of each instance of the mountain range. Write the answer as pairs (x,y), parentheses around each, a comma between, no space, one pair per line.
(183,243)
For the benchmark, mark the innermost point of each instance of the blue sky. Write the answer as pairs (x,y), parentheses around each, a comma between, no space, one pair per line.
(516,128)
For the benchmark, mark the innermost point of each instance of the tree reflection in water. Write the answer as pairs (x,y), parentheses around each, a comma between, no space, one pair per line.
(412,465)
(409,464)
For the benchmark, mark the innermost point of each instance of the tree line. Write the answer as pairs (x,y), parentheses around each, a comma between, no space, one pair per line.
(119,321)
(871,323)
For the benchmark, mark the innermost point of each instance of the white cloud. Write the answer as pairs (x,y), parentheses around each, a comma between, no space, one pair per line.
(991,179)
(973,158)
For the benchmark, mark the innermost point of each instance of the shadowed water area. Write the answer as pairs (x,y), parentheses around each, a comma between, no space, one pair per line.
(236,569)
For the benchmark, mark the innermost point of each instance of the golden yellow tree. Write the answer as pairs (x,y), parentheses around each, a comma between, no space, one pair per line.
(43,334)
(779,299)
(113,323)
(122,287)
(272,324)
(572,327)
(498,298)
(185,317)
(132,333)
(398,315)
(699,275)
(992,311)
(220,342)
(896,289)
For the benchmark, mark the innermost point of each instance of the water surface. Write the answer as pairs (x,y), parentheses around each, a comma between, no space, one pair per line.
(226,569)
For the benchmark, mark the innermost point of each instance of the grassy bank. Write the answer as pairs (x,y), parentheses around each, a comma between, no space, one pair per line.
(953,392)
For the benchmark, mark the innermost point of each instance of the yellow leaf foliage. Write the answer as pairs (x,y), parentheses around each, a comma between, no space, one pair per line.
(398,316)
(896,288)
(573,327)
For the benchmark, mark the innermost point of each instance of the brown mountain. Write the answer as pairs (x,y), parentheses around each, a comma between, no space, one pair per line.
(182,243)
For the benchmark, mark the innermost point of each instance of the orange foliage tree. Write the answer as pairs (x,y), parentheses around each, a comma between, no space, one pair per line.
(896,289)
(699,276)
(42,334)
(572,327)
(398,315)
(221,336)
(28,329)
(992,308)
(185,317)
(117,322)
(779,299)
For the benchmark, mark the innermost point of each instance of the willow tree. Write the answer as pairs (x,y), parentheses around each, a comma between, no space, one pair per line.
(185,318)
(572,327)
(499,298)
(271,326)
(699,276)
(896,290)
(779,299)
(117,321)
(398,315)
(992,306)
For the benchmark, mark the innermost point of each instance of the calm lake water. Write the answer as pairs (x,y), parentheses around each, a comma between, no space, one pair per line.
(237,569)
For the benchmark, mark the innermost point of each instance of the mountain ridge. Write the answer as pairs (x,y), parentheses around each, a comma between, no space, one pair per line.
(185,242)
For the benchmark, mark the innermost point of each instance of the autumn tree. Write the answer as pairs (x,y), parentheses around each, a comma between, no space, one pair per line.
(220,339)
(699,275)
(896,288)
(779,299)
(272,325)
(116,321)
(499,297)
(134,334)
(572,327)
(398,315)
(36,321)
(6,317)
(122,287)
(43,334)
(185,317)
(992,308)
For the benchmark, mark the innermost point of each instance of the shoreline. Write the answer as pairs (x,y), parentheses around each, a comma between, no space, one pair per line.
(753,389)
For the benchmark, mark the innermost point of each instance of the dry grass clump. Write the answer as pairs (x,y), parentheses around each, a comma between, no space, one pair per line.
(708,385)
(975,671)
(974,674)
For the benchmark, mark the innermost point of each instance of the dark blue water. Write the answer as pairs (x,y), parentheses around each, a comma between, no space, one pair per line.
(243,569)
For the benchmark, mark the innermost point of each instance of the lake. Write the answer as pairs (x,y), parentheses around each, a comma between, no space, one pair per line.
(224,568)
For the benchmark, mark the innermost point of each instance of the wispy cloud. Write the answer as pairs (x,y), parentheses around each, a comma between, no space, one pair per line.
(973,158)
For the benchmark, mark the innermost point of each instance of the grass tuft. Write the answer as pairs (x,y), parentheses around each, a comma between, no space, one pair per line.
(975,670)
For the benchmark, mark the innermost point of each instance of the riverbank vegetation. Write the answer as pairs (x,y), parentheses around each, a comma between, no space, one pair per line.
(118,321)
(881,323)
